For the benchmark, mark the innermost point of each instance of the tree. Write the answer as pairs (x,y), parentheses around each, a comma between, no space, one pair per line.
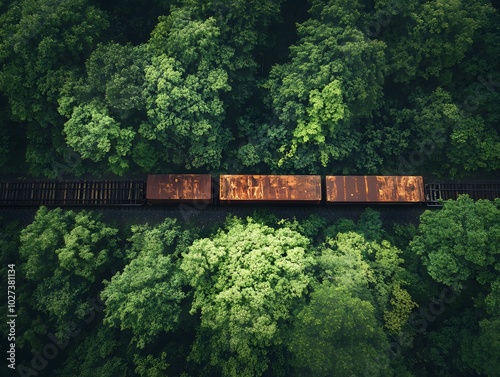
(245,282)
(105,107)
(146,296)
(182,92)
(334,80)
(439,37)
(443,122)
(459,244)
(459,247)
(373,272)
(481,351)
(245,33)
(100,353)
(337,334)
(456,141)
(65,253)
(43,42)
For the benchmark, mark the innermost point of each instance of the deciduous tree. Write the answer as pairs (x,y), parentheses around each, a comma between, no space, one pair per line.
(65,253)
(246,281)
(146,296)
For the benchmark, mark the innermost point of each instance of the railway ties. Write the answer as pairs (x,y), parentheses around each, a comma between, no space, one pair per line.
(72,193)
(445,191)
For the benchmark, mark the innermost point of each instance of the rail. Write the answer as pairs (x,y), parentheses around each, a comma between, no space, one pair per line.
(72,193)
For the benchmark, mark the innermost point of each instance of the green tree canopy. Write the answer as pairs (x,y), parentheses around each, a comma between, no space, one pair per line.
(459,247)
(65,253)
(371,271)
(459,244)
(43,41)
(146,296)
(333,80)
(182,92)
(337,334)
(246,281)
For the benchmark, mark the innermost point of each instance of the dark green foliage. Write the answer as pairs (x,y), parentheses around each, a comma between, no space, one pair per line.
(267,86)
(43,41)
(370,225)
(64,254)
(365,87)
(99,354)
(459,247)
(337,334)
(146,296)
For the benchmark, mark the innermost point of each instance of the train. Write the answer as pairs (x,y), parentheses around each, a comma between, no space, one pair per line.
(231,189)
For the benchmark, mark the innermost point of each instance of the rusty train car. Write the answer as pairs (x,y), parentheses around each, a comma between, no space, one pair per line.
(168,189)
(270,188)
(312,189)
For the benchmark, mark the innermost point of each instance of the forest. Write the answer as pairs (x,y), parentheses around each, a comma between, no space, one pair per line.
(266,86)
(256,296)
(122,88)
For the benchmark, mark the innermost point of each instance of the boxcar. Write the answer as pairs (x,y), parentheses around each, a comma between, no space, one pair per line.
(374,189)
(178,188)
(270,189)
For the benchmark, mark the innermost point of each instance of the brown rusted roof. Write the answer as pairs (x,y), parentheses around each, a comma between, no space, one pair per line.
(179,187)
(301,188)
(406,189)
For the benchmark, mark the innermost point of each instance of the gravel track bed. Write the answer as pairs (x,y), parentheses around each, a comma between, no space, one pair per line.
(216,215)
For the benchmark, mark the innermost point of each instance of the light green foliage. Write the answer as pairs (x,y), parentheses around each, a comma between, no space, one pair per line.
(370,270)
(246,281)
(330,83)
(337,334)
(93,134)
(150,366)
(402,305)
(460,242)
(146,296)
(64,253)
(344,264)
(183,93)
(104,108)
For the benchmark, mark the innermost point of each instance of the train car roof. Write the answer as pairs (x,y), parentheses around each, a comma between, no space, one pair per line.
(178,187)
(270,188)
(375,189)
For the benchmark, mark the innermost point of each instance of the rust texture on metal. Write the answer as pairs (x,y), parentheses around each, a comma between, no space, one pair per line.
(179,187)
(387,189)
(300,188)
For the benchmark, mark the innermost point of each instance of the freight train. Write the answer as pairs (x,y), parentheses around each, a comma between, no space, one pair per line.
(168,189)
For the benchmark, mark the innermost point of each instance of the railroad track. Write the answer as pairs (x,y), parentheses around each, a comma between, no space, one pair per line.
(437,191)
(179,189)
(72,193)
